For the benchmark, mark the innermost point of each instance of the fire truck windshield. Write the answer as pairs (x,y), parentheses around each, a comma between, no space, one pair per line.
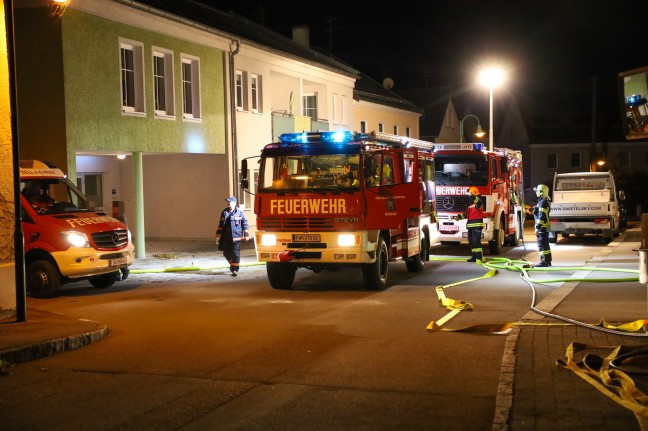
(461,170)
(298,171)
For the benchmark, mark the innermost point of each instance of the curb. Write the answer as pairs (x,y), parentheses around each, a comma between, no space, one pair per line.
(46,348)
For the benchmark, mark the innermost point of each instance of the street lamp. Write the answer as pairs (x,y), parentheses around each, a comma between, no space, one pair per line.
(479,132)
(491,78)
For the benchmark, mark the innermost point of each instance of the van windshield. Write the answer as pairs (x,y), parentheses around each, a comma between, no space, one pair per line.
(53,196)
(583,183)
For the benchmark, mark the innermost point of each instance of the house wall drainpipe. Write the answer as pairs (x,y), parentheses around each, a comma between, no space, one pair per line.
(232,82)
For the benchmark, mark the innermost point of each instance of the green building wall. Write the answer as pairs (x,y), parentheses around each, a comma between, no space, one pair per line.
(75,61)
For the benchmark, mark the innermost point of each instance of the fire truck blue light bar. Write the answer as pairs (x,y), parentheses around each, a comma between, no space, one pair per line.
(306,137)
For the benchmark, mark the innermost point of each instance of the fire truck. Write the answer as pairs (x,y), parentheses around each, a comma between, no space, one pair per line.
(327,200)
(498,176)
(65,240)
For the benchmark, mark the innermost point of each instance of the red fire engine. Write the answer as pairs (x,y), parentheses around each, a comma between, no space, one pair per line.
(331,199)
(498,176)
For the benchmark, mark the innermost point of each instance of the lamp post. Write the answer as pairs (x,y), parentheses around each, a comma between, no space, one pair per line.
(491,78)
(479,132)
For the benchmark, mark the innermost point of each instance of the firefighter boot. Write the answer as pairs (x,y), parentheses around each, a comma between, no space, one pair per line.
(476,255)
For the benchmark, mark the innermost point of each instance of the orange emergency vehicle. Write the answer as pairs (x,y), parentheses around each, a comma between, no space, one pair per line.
(497,175)
(64,240)
(331,199)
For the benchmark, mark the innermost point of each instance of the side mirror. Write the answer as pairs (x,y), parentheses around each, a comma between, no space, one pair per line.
(245,183)
(244,170)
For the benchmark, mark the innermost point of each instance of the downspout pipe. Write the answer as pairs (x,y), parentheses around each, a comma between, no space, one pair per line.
(19,249)
(232,84)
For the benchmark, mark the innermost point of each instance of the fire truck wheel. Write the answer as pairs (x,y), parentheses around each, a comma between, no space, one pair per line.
(495,245)
(281,275)
(43,279)
(416,263)
(104,280)
(514,238)
(374,274)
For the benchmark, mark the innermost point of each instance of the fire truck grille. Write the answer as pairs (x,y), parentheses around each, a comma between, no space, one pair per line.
(110,238)
(298,224)
(452,203)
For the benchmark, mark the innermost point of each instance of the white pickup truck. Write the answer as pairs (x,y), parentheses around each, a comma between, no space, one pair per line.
(585,203)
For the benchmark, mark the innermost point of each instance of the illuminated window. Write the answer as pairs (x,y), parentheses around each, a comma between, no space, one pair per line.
(190,88)
(132,76)
(163,82)
(255,88)
(309,105)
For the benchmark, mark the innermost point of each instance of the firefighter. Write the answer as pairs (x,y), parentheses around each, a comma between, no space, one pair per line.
(542,224)
(475,224)
(232,229)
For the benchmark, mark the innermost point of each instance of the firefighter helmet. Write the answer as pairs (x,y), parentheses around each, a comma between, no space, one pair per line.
(473,191)
(541,191)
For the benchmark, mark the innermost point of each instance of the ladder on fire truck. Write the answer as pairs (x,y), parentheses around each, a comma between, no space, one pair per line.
(403,141)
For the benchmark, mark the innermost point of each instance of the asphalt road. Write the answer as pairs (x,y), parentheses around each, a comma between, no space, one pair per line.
(204,350)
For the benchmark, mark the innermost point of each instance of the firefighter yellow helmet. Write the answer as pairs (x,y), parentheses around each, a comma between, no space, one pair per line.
(473,191)
(542,191)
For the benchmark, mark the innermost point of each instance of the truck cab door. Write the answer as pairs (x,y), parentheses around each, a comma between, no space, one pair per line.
(392,187)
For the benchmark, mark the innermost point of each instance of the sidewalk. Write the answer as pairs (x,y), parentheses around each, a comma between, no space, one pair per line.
(537,394)
(534,393)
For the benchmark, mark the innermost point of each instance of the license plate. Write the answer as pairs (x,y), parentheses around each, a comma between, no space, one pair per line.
(450,228)
(306,238)
(117,262)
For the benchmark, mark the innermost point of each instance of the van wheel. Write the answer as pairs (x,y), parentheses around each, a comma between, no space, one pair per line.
(374,274)
(43,279)
(104,281)
(281,275)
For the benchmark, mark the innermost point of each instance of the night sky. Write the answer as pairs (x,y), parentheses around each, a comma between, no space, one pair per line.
(438,43)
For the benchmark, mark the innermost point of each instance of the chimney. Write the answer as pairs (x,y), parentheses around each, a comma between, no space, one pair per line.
(301,35)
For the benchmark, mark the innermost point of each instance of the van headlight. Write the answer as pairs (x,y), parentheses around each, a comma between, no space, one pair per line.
(76,239)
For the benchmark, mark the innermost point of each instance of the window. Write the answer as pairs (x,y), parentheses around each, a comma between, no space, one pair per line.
(395,130)
(255,86)
(334,108)
(575,160)
(408,132)
(552,160)
(132,76)
(190,88)
(381,127)
(309,105)
(163,82)
(363,129)
(624,158)
(342,110)
(241,91)
(92,186)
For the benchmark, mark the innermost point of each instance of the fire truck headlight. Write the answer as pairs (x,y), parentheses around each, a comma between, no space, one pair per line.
(76,239)
(268,239)
(346,239)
